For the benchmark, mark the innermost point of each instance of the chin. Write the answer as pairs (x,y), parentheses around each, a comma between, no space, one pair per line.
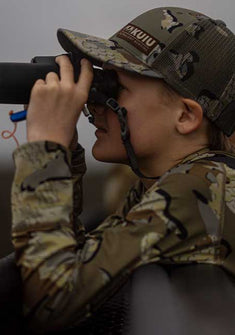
(109,156)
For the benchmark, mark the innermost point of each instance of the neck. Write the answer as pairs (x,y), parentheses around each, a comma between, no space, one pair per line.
(162,163)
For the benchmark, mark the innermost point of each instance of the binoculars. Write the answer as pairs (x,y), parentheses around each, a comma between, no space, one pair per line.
(17,79)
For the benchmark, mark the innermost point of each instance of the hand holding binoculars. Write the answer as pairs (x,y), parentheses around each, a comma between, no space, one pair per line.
(17,79)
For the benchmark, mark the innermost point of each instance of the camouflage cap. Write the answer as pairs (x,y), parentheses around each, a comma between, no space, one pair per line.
(193,53)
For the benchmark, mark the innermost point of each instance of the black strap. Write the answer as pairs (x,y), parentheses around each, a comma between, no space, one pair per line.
(96,96)
(125,134)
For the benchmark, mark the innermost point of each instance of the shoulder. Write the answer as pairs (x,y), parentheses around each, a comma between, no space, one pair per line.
(191,185)
(207,169)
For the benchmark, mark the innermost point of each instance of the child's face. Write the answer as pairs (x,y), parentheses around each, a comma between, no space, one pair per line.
(150,120)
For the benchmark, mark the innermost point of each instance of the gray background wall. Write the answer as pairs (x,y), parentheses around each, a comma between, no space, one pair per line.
(28,28)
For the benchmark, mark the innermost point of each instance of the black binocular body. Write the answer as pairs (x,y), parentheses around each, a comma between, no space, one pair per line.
(17,79)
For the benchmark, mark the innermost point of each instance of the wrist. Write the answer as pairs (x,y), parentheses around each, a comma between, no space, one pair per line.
(50,138)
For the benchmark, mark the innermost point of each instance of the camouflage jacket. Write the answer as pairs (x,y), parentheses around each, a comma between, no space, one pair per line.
(187,216)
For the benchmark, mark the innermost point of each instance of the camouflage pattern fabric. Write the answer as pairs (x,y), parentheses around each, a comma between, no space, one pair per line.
(187,216)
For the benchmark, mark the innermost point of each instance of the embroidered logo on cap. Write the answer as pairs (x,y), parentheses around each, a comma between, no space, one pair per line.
(138,38)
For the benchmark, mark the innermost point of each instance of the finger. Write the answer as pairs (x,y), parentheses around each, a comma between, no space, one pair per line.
(39,82)
(66,69)
(51,77)
(86,76)
(37,87)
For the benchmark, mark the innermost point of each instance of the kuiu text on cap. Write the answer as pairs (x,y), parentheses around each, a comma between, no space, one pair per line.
(138,38)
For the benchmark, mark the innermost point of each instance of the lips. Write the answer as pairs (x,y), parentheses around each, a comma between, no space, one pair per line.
(100,127)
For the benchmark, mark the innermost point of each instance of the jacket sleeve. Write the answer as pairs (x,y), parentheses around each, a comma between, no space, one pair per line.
(78,169)
(67,274)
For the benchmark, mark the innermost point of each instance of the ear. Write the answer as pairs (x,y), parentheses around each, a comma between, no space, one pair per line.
(190,117)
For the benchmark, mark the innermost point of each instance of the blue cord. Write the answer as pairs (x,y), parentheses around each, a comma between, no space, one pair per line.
(19,116)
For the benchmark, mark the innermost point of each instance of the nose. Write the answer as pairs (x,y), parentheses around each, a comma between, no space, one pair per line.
(97,113)
(97,109)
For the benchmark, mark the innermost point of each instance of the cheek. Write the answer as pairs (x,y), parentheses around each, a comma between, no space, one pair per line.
(148,132)
(108,146)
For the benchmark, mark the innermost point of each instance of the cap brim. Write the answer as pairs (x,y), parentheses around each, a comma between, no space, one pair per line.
(100,51)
